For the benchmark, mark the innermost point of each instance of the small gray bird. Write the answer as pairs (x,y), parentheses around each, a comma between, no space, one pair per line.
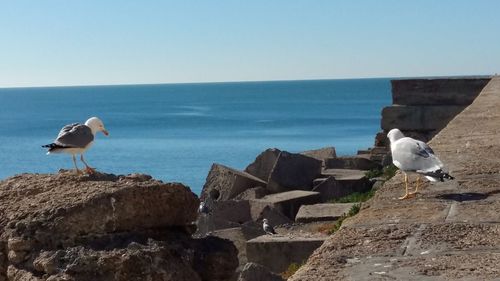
(267,227)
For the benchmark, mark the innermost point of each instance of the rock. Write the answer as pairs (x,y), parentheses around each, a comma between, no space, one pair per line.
(455,91)
(257,272)
(252,193)
(353,163)
(322,212)
(321,154)
(293,171)
(228,182)
(278,252)
(104,227)
(288,203)
(263,164)
(418,118)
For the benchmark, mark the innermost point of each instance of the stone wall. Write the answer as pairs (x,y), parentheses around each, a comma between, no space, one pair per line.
(423,107)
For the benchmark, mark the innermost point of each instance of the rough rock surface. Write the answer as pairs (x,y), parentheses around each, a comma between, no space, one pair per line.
(228,182)
(293,171)
(104,227)
(450,231)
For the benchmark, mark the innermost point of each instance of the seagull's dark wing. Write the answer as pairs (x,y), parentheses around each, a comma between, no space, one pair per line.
(422,149)
(74,135)
(269,229)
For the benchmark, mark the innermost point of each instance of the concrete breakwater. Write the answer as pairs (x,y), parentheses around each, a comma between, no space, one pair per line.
(296,189)
(449,232)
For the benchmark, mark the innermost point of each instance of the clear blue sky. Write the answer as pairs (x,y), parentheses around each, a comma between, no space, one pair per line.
(88,42)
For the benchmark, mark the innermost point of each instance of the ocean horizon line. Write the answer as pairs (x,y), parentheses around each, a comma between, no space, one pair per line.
(247,81)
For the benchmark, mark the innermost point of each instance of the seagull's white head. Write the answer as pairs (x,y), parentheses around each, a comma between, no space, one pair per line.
(96,125)
(394,135)
(264,220)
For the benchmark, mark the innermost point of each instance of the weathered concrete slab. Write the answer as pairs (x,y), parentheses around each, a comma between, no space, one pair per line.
(331,188)
(322,212)
(418,118)
(449,231)
(278,252)
(453,91)
(344,174)
(228,182)
(322,153)
(262,166)
(289,202)
(239,236)
(353,163)
(293,171)
(252,193)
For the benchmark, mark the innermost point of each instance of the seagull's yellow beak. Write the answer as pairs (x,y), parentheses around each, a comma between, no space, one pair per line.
(105,132)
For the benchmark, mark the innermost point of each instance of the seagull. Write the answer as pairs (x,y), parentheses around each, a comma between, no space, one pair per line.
(76,138)
(414,156)
(203,209)
(267,227)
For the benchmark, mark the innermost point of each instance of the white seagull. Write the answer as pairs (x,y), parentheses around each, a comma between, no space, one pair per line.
(76,139)
(414,156)
(267,227)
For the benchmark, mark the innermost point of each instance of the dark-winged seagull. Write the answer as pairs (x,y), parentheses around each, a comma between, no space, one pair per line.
(76,138)
(414,156)
(267,227)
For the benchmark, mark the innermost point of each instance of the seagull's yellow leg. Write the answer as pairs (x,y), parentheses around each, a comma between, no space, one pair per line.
(76,167)
(418,185)
(407,195)
(88,169)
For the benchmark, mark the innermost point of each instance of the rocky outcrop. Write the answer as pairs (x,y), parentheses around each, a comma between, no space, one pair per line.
(263,164)
(104,227)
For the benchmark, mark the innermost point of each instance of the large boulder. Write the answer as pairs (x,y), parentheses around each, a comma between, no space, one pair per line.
(332,188)
(263,164)
(293,171)
(227,183)
(104,227)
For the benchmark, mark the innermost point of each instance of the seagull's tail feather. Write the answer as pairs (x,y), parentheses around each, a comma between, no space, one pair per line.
(438,175)
(52,147)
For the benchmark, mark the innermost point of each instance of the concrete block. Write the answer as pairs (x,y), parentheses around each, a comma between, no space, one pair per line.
(354,163)
(288,203)
(228,182)
(321,154)
(239,236)
(293,171)
(418,118)
(263,164)
(451,91)
(333,188)
(322,212)
(278,252)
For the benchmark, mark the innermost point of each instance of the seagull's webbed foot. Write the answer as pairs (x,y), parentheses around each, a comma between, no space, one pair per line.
(78,171)
(90,170)
(407,196)
(416,188)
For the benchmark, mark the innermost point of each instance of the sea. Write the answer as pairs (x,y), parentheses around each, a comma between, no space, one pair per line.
(175,132)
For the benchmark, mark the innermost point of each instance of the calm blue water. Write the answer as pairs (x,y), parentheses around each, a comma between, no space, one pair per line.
(176,131)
